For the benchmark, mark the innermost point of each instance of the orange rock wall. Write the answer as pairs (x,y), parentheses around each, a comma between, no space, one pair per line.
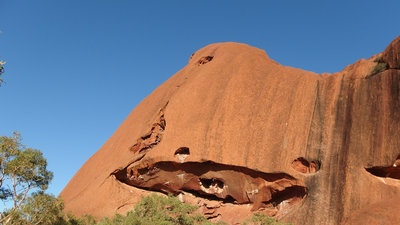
(232,105)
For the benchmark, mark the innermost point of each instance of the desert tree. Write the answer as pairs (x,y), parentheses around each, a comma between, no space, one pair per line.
(22,172)
(41,209)
(1,70)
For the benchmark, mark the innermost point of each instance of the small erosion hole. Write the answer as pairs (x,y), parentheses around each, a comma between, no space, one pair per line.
(205,59)
(182,153)
(207,183)
(211,186)
(302,165)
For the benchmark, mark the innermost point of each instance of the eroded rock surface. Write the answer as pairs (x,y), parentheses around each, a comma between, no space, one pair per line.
(153,136)
(235,132)
(302,165)
(215,181)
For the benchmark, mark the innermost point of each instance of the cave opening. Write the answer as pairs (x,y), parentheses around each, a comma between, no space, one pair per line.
(392,171)
(385,171)
(213,182)
(182,151)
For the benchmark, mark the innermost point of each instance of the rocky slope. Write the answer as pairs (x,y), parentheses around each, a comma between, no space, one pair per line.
(235,132)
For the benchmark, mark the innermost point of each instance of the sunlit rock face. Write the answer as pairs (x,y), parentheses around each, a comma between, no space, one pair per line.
(234,132)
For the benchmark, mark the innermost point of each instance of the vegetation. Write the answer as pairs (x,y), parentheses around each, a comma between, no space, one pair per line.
(160,210)
(40,208)
(380,66)
(261,219)
(1,70)
(22,171)
(156,209)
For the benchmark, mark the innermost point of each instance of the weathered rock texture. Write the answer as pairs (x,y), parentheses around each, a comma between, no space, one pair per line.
(235,132)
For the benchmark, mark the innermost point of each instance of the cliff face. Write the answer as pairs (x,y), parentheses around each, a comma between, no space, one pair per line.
(236,129)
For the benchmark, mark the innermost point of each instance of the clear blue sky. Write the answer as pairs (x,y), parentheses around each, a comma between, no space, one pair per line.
(76,68)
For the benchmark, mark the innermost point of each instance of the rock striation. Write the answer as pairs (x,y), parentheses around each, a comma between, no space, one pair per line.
(235,132)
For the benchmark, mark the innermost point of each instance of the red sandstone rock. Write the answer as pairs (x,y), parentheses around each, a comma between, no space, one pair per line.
(235,132)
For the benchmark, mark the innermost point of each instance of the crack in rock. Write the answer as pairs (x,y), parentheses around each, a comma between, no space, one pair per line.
(153,136)
(205,59)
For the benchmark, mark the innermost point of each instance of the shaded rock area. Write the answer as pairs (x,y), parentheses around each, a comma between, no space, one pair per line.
(234,133)
(391,171)
(302,165)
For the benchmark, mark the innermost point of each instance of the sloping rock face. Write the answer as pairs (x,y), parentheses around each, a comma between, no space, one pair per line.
(235,132)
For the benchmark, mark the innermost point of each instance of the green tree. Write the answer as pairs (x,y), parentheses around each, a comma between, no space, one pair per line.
(1,70)
(22,171)
(40,208)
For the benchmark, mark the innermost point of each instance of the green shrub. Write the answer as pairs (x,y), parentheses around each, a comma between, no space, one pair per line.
(380,67)
(159,210)
(152,210)
(261,219)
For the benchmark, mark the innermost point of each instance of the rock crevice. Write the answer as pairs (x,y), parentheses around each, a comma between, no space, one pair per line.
(153,136)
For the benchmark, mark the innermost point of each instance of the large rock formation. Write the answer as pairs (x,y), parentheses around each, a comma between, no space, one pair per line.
(236,132)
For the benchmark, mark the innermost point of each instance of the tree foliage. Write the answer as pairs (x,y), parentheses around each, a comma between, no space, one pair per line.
(1,70)
(22,171)
(40,209)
